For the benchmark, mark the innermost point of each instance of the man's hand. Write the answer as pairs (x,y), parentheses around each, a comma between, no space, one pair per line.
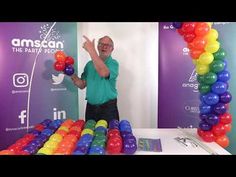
(89,45)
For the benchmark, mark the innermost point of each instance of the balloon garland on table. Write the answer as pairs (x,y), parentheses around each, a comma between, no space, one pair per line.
(212,74)
(64,63)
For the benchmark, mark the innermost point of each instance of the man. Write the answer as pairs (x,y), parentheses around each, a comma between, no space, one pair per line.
(99,76)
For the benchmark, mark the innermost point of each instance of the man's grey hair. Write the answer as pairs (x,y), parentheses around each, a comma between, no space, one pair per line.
(108,38)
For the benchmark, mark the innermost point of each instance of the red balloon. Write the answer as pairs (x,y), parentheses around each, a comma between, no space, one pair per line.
(69,60)
(202,29)
(208,136)
(188,27)
(228,127)
(226,118)
(223,141)
(60,56)
(180,31)
(200,132)
(189,37)
(114,145)
(113,132)
(59,65)
(219,130)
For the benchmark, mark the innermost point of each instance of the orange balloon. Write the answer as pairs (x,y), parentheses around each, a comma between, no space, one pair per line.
(223,141)
(60,56)
(199,43)
(6,152)
(195,54)
(202,29)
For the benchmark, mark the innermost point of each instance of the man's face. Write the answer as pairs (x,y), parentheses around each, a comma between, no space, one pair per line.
(105,47)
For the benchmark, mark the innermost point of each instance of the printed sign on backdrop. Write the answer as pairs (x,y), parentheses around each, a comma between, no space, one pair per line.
(178,103)
(31,90)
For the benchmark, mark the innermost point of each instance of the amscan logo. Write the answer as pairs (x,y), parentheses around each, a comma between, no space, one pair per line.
(192,82)
(49,42)
(37,43)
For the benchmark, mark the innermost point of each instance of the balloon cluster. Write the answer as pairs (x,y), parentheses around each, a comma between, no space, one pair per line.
(63,141)
(64,63)
(31,142)
(129,140)
(85,141)
(114,139)
(75,137)
(213,76)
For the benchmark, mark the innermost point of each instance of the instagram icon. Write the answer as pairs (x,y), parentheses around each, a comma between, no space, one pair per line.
(20,80)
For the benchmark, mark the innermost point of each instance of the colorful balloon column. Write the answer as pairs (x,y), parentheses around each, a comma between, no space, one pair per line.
(64,63)
(211,66)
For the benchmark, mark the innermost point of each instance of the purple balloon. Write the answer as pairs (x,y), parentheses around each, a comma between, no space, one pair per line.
(177,25)
(203,116)
(69,70)
(129,148)
(212,119)
(203,125)
(220,108)
(124,134)
(226,97)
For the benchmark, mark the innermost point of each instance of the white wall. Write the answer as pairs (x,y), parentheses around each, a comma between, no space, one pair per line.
(136,50)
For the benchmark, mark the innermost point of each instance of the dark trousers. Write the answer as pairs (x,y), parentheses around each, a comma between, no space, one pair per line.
(106,111)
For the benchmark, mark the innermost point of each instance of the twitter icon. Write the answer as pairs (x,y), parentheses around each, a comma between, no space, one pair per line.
(58,79)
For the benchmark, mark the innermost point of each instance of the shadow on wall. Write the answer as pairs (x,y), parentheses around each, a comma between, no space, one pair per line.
(124,86)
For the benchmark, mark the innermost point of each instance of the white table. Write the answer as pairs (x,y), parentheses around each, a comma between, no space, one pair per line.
(172,147)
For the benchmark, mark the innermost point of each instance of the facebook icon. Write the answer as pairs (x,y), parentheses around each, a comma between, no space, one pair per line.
(22,116)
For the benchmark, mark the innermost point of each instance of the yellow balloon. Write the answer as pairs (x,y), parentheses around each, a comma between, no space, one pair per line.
(210,24)
(63,128)
(205,58)
(212,46)
(56,137)
(51,145)
(212,35)
(202,69)
(45,151)
(87,131)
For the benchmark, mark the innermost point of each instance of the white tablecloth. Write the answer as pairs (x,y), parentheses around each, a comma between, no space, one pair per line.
(172,147)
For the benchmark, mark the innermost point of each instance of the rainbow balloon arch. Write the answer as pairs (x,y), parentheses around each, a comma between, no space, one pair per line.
(208,57)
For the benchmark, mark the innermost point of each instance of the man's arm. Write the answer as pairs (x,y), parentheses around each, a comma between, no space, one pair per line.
(99,65)
(78,82)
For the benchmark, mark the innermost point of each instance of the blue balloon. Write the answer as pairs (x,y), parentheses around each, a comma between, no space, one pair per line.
(212,119)
(204,108)
(219,87)
(211,98)
(223,76)
(69,70)
(177,25)
(203,125)
(220,108)
(226,97)
(202,97)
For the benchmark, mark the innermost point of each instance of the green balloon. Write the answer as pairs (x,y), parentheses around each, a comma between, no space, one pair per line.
(210,78)
(217,66)
(220,54)
(204,88)
(200,78)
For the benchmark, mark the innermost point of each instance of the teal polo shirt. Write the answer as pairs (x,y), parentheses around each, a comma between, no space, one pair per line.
(100,89)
